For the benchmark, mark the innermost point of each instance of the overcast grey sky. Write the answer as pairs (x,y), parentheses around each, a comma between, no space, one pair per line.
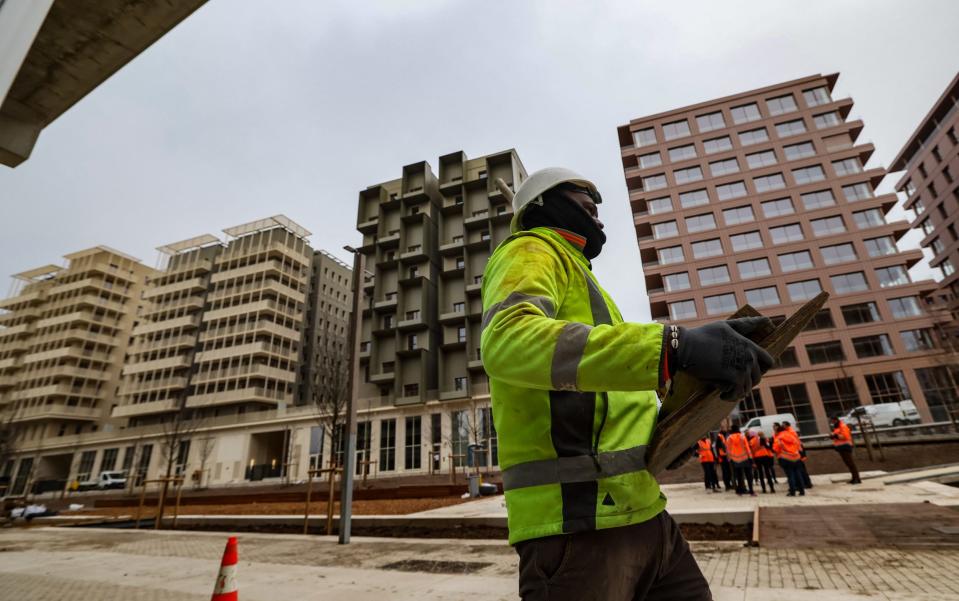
(252,108)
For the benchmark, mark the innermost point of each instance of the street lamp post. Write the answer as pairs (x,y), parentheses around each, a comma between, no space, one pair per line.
(349,457)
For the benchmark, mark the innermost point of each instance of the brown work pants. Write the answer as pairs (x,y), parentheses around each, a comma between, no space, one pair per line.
(649,561)
(845,451)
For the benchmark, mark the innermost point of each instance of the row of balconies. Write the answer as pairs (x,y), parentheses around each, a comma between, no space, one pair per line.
(56,411)
(24,298)
(67,352)
(261,267)
(132,386)
(166,363)
(246,371)
(251,348)
(252,307)
(197,284)
(184,322)
(55,390)
(261,325)
(238,251)
(251,394)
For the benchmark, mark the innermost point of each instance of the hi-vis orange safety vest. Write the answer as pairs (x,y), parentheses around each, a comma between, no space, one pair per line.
(758,448)
(843,435)
(787,445)
(721,446)
(705,451)
(738,448)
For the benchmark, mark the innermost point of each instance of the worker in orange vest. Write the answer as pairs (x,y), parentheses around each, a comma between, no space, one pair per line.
(722,458)
(842,442)
(742,460)
(803,472)
(707,459)
(762,459)
(786,446)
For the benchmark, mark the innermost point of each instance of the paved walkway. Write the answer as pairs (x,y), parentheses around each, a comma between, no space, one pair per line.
(51,564)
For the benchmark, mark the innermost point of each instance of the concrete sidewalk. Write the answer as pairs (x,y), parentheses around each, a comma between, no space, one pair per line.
(89,564)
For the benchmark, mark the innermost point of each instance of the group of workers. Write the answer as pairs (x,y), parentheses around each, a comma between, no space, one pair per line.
(746,457)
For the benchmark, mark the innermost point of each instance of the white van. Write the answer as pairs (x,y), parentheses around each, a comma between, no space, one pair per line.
(764,423)
(884,415)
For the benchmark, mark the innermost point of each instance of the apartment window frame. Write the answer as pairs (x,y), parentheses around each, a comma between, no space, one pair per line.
(777,207)
(765,296)
(787,129)
(745,113)
(751,272)
(790,262)
(751,137)
(703,222)
(720,304)
(836,254)
(827,226)
(644,137)
(731,191)
(653,204)
(650,159)
(763,158)
(681,281)
(786,234)
(688,175)
(803,290)
(709,276)
(859,311)
(842,283)
(799,150)
(675,130)
(724,167)
(829,351)
(746,241)
(808,175)
(769,183)
(734,215)
(710,121)
(714,248)
(720,144)
(683,309)
(685,152)
(781,105)
(693,198)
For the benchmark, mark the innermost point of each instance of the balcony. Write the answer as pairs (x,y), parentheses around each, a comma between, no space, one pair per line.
(475,365)
(156,364)
(77,372)
(385,305)
(452,395)
(474,288)
(412,324)
(262,325)
(477,221)
(389,241)
(252,348)
(148,408)
(67,352)
(158,308)
(196,284)
(23,299)
(247,371)
(383,377)
(145,346)
(14,331)
(452,316)
(57,411)
(369,226)
(187,321)
(413,256)
(8,381)
(238,251)
(131,387)
(260,306)
(412,352)
(253,394)
(268,267)
(408,400)
(452,247)
(55,390)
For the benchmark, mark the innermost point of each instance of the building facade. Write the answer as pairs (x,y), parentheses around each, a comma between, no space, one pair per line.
(764,198)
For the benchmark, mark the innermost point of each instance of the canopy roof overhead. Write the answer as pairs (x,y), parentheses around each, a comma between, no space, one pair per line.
(100,248)
(39,273)
(183,246)
(262,225)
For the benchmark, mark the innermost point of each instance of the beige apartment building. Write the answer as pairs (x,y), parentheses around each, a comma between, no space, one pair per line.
(764,197)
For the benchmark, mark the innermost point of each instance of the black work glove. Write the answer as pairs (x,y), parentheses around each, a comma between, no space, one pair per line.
(719,353)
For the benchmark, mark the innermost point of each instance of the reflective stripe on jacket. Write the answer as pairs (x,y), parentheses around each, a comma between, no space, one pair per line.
(705,451)
(571,387)
(843,435)
(738,447)
(787,445)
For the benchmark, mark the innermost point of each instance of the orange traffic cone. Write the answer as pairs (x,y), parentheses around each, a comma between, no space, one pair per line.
(225,588)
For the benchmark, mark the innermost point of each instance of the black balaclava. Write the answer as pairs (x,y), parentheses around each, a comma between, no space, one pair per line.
(559,211)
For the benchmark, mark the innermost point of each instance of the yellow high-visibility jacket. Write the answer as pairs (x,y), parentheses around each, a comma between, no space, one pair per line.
(572,391)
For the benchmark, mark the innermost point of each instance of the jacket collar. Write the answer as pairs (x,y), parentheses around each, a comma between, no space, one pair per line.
(573,242)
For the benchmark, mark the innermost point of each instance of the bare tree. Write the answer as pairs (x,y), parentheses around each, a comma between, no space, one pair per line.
(331,392)
(204,450)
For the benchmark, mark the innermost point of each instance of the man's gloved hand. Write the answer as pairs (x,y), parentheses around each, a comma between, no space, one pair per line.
(719,353)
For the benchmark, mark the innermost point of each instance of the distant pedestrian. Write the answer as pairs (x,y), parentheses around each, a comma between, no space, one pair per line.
(786,446)
(803,472)
(763,460)
(722,457)
(842,442)
(742,461)
(707,459)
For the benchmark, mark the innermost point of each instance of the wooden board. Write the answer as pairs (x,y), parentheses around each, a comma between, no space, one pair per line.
(692,409)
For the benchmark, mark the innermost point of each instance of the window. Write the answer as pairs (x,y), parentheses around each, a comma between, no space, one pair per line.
(750,406)
(412,342)
(707,248)
(459,307)
(856,192)
(753,136)
(660,205)
(745,113)
(460,436)
(786,233)
(755,268)
(848,283)
(794,399)
(888,387)
(938,387)
(676,129)
(387,445)
(411,390)
(847,167)
(710,122)
(761,159)
(787,359)
(673,254)
(825,120)
(654,182)
(410,315)
(860,313)
(387,322)
(738,215)
(804,290)
(947,268)
(676,281)
(436,440)
(693,198)
(868,218)
(747,241)
(909,187)
(937,245)
(769,182)
(730,191)
(878,247)
(917,340)
(644,137)
(665,229)
(822,320)
(918,206)
(85,468)
(799,151)
(722,303)
(781,104)
(790,128)
(838,396)
(825,352)
(681,153)
(818,200)
(461,334)
(906,306)
(653,159)
(700,223)
(109,461)
(685,176)
(778,207)
(827,226)
(762,297)
(717,145)
(838,253)
(724,167)
(927,226)
(892,276)
(459,383)
(413,459)
(816,96)
(808,175)
(713,275)
(682,310)
(460,263)
(795,261)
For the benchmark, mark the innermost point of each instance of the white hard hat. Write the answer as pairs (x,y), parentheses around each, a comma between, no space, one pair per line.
(542,181)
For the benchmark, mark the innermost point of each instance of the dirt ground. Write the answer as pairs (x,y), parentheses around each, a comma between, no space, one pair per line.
(827,461)
(360,507)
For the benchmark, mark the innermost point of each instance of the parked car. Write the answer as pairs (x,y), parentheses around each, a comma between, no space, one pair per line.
(106,481)
(764,423)
(883,415)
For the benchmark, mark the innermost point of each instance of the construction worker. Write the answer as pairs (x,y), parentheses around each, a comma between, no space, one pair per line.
(786,446)
(803,472)
(722,456)
(574,408)
(842,442)
(707,459)
(742,459)
(762,459)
